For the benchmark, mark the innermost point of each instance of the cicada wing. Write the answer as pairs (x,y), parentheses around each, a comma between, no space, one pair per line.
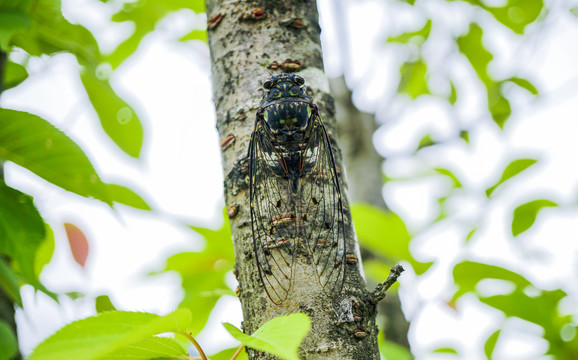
(272,217)
(323,209)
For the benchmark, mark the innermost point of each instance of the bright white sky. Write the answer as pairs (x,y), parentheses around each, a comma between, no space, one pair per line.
(179,174)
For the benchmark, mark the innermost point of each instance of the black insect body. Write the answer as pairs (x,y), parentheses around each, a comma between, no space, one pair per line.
(296,203)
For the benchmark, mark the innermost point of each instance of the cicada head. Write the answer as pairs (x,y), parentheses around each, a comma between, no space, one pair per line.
(285,87)
(286,106)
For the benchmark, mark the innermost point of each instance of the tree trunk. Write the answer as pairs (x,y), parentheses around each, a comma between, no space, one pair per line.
(247,44)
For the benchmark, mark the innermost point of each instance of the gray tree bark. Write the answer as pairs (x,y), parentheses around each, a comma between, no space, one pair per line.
(247,44)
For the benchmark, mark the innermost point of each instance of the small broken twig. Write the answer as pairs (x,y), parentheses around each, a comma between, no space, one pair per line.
(380,290)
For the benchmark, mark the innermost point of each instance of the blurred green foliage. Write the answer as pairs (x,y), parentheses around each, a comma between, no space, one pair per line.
(8,341)
(525,215)
(513,169)
(526,300)
(38,28)
(203,273)
(385,235)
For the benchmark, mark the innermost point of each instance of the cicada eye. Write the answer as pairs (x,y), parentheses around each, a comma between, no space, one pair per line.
(299,80)
(268,84)
(275,93)
(294,90)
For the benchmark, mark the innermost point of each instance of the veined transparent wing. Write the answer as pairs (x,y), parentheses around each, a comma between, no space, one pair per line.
(273,217)
(321,208)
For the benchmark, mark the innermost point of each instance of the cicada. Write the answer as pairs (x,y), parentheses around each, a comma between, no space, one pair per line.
(295,195)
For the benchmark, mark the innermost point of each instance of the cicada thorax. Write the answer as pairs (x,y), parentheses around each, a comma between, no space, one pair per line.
(287,136)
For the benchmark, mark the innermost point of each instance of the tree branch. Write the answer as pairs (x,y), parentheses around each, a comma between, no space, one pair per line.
(380,290)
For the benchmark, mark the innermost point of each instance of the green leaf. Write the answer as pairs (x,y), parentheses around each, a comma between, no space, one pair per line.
(21,230)
(380,231)
(376,270)
(228,354)
(8,341)
(196,35)
(446,172)
(453,97)
(10,22)
(145,15)
(392,351)
(219,242)
(44,252)
(413,81)
(272,336)
(490,344)
(203,281)
(470,234)
(126,196)
(117,118)
(204,273)
(525,215)
(513,169)
(517,14)
(385,234)
(498,104)
(568,332)
(468,274)
(525,84)
(152,348)
(472,47)
(574,11)
(49,32)
(446,350)
(107,333)
(10,282)
(103,304)
(499,107)
(419,35)
(425,141)
(540,309)
(14,74)
(37,145)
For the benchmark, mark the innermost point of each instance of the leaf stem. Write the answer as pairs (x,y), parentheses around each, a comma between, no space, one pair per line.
(238,351)
(195,343)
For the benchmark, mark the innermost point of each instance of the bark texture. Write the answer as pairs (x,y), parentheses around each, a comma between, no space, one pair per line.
(355,130)
(248,42)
